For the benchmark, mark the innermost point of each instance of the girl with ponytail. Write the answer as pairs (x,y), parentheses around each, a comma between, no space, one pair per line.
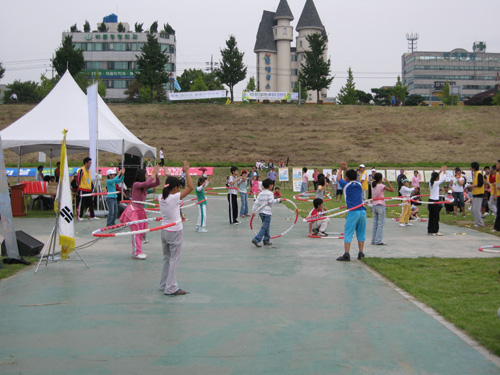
(171,238)
(434,184)
(378,207)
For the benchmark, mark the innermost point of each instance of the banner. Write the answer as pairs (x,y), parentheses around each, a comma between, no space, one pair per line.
(257,95)
(9,231)
(196,95)
(93,129)
(65,221)
(177,171)
(283,174)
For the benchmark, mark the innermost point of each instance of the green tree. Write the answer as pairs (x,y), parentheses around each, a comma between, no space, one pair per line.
(151,63)
(68,56)
(415,100)
(102,28)
(448,99)
(153,29)
(382,96)
(400,91)
(27,92)
(2,70)
(74,28)
(495,100)
(348,93)
(303,92)
(167,29)
(251,86)
(85,79)
(232,70)
(120,28)
(138,27)
(315,71)
(363,97)
(86,26)
(46,85)
(199,84)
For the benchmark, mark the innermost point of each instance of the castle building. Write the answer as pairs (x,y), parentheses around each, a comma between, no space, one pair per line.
(278,61)
(113,54)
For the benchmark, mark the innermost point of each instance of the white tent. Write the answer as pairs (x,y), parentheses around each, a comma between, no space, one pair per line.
(66,107)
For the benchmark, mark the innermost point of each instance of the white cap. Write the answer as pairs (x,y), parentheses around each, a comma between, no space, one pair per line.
(361,165)
(110,171)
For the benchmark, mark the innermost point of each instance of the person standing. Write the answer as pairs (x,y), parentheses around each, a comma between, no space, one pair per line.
(84,180)
(265,198)
(496,197)
(272,175)
(162,157)
(477,187)
(39,174)
(378,207)
(400,179)
(363,178)
(415,180)
(57,171)
(232,195)
(315,178)
(112,198)
(435,185)
(457,191)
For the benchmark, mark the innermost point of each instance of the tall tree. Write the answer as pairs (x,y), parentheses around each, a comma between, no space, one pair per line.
(348,93)
(153,29)
(74,28)
(151,71)
(400,91)
(189,76)
(2,70)
(68,56)
(86,26)
(120,28)
(138,27)
(447,98)
(251,86)
(27,92)
(232,70)
(382,96)
(314,72)
(102,28)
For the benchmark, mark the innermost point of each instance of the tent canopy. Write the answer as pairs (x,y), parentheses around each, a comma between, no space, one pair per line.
(66,107)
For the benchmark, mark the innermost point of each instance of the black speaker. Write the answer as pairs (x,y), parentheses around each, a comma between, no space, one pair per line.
(131,164)
(27,245)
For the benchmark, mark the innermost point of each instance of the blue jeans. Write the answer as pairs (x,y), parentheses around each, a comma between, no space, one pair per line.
(244,204)
(264,232)
(378,223)
(112,211)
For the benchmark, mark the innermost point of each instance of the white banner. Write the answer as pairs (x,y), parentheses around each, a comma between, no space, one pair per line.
(66,221)
(257,95)
(93,129)
(196,95)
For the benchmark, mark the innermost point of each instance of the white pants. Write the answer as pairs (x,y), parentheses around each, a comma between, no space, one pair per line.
(320,225)
(172,244)
(202,215)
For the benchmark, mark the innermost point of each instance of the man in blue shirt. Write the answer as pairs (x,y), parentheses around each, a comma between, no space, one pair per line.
(356,217)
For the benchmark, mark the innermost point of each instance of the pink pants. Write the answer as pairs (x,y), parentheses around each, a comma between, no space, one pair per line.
(134,213)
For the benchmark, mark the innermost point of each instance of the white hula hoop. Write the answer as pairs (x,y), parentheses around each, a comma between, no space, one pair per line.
(139,202)
(487,249)
(337,214)
(96,194)
(323,216)
(438,202)
(310,192)
(193,204)
(291,226)
(209,190)
(327,237)
(99,232)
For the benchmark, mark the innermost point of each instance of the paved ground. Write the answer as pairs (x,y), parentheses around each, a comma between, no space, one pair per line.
(290,309)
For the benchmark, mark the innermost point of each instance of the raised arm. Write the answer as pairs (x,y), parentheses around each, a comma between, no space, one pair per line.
(189,181)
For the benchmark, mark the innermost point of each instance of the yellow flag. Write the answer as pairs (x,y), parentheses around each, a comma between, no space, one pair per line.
(228,101)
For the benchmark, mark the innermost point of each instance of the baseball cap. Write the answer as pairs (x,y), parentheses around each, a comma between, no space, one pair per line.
(110,171)
(361,165)
(405,180)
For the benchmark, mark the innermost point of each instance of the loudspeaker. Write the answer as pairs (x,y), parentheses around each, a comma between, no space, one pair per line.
(27,245)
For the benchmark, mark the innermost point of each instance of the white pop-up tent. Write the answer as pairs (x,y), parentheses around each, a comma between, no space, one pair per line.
(66,107)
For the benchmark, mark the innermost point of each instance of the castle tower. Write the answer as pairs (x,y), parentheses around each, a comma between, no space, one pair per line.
(309,23)
(266,51)
(283,36)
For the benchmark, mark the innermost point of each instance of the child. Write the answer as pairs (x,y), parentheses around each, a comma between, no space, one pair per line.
(202,207)
(318,227)
(112,201)
(243,194)
(356,219)
(434,184)
(378,207)
(277,193)
(255,186)
(321,186)
(232,196)
(136,211)
(405,191)
(334,184)
(414,209)
(267,198)
(305,181)
(171,238)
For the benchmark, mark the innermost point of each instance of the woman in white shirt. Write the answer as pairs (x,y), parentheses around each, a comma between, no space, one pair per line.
(435,184)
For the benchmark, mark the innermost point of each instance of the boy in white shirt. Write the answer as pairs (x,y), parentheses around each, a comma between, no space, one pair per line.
(266,198)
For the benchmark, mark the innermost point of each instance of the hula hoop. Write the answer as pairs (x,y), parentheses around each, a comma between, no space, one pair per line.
(291,226)
(209,190)
(486,249)
(333,215)
(96,194)
(193,204)
(139,202)
(324,215)
(422,220)
(99,232)
(326,199)
(439,202)
(327,237)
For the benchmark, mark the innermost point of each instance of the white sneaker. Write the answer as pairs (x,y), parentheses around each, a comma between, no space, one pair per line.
(78,218)
(140,256)
(409,224)
(94,218)
(402,225)
(202,230)
(145,241)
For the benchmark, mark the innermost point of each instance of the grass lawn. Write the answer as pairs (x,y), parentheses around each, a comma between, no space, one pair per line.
(8,270)
(465,291)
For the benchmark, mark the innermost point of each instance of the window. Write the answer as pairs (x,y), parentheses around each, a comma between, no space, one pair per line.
(294,57)
(295,72)
(293,84)
(300,43)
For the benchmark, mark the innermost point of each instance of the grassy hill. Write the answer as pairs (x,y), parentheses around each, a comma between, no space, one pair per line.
(308,135)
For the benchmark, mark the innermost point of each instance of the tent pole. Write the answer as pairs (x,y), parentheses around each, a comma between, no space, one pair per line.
(123,161)
(19,163)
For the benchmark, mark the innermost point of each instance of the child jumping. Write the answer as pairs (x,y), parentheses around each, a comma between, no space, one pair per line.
(265,198)
(171,238)
(356,219)
(202,207)
(318,227)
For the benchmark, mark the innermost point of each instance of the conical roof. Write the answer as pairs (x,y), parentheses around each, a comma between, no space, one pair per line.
(283,11)
(309,19)
(265,38)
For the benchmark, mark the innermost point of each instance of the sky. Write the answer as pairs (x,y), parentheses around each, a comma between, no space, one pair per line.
(367,35)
